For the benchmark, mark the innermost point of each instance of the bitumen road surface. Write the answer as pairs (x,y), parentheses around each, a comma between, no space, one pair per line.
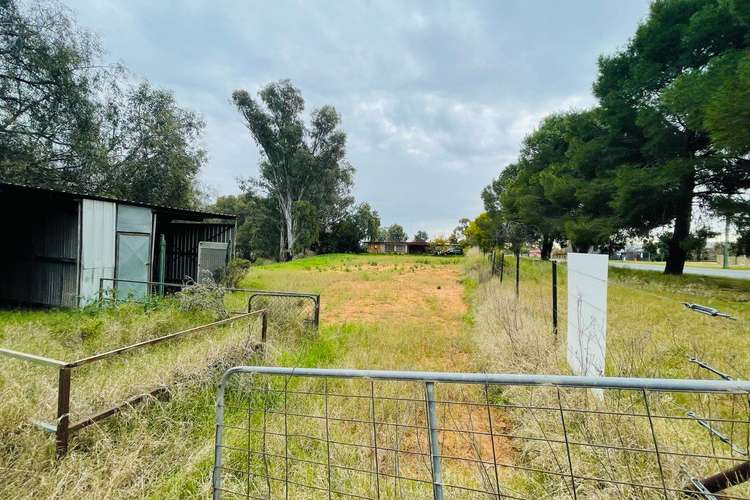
(705,271)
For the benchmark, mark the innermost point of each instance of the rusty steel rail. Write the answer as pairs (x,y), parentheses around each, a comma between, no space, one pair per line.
(31,357)
(62,427)
(158,340)
(313,297)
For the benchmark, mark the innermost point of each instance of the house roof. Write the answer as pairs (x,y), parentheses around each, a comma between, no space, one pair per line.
(175,211)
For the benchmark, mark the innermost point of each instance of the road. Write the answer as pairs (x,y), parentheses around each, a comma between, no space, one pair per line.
(721,273)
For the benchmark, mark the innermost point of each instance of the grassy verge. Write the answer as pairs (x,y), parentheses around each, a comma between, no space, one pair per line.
(650,334)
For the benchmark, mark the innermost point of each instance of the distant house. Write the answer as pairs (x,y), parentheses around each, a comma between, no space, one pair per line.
(61,247)
(418,247)
(413,247)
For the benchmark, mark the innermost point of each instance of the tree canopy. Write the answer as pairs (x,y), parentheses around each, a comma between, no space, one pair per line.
(395,232)
(69,120)
(669,134)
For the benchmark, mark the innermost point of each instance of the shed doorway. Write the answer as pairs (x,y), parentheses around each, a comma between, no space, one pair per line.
(133,264)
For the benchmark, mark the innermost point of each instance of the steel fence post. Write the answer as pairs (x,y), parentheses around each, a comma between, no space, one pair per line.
(437,473)
(317,312)
(518,269)
(502,266)
(554,297)
(216,477)
(63,412)
(264,327)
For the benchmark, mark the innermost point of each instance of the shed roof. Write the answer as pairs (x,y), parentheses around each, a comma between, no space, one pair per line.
(180,212)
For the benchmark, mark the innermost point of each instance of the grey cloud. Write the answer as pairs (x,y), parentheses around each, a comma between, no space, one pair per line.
(435,96)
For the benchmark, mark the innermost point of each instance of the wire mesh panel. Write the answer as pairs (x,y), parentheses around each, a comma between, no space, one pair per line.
(287,310)
(313,433)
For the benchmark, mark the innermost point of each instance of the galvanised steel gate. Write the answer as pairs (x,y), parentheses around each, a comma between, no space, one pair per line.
(325,433)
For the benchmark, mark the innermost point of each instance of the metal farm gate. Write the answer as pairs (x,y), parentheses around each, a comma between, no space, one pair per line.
(325,433)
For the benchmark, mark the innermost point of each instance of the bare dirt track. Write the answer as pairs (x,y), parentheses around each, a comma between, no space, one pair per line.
(398,294)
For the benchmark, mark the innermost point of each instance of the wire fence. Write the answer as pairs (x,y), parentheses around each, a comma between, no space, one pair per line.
(317,433)
(284,307)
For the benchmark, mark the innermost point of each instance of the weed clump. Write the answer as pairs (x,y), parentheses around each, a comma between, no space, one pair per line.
(204,295)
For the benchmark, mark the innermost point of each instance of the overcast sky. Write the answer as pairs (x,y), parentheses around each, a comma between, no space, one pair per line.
(435,96)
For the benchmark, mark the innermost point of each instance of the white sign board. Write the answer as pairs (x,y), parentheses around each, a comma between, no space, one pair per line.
(587,313)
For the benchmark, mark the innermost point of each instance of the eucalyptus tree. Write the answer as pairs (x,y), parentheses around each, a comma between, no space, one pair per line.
(302,168)
(395,232)
(69,120)
(151,147)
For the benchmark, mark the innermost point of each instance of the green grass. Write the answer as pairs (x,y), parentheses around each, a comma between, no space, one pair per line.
(379,311)
(174,451)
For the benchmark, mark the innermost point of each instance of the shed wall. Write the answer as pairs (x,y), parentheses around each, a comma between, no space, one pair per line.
(39,252)
(98,223)
(182,246)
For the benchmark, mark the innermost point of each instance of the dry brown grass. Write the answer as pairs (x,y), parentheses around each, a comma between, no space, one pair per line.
(649,335)
(122,455)
(392,313)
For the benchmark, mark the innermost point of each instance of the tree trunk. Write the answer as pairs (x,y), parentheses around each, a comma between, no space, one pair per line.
(282,241)
(546,248)
(286,242)
(290,230)
(677,255)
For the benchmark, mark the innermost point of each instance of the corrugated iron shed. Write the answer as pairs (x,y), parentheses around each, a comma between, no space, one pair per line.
(58,245)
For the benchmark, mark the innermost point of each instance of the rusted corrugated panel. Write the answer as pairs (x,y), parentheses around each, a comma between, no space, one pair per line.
(54,284)
(182,246)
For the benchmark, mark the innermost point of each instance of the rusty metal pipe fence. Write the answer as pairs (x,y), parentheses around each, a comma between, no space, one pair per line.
(62,427)
(334,433)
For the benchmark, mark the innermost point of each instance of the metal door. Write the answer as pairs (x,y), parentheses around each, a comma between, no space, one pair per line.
(132,264)
(212,259)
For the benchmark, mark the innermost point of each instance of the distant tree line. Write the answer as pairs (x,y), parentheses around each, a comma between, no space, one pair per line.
(68,120)
(669,137)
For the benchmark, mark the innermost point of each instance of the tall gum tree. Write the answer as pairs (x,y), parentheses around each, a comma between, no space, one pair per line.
(302,168)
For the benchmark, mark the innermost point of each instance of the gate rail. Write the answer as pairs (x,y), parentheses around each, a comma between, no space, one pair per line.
(259,469)
(313,297)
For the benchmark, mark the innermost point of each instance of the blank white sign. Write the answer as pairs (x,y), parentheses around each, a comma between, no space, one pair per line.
(587,313)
